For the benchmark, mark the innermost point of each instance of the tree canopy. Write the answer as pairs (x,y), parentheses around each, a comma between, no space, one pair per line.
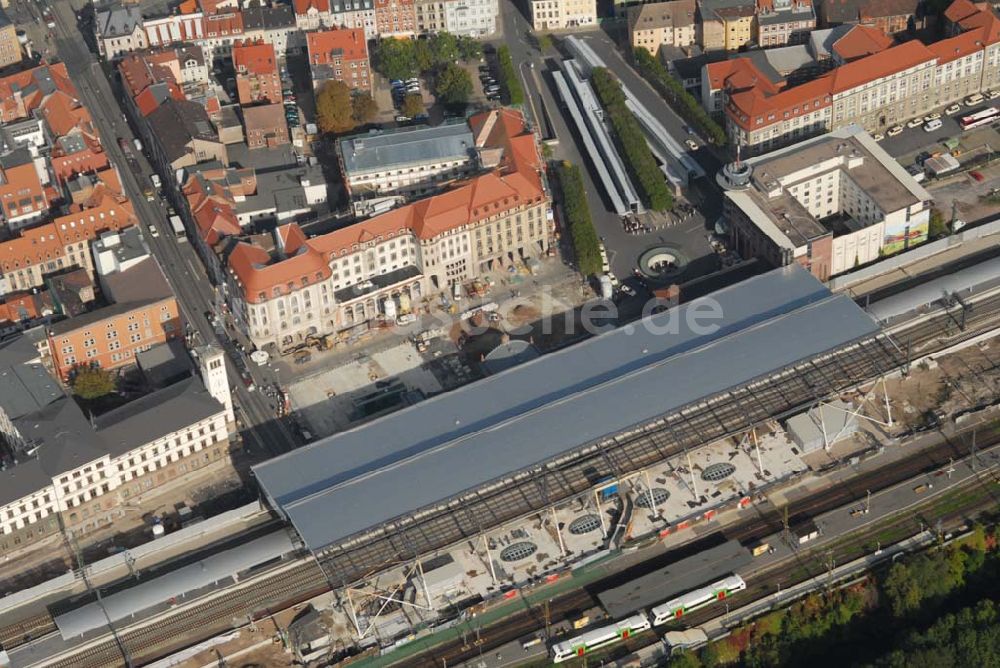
(335,108)
(453,85)
(632,142)
(404,58)
(91,382)
(363,108)
(413,105)
(510,83)
(576,210)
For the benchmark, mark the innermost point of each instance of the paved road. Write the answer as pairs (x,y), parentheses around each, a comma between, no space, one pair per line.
(535,70)
(178,260)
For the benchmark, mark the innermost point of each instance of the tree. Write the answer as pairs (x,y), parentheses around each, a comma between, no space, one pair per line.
(453,86)
(470,49)
(363,108)
(684,659)
(509,81)
(423,55)
(444,46)
(936,227)
(413,105)
(91,382)
(395,58)
(901,590)
(544,43)
(334,110)
(586,245)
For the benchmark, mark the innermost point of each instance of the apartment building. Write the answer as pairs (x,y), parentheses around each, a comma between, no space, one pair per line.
(782,22)
(652,25)
(181,134)
(257,77)
(469,18)
(142,312)
(562,14)
(395,18)
(64,469)
(64,243)
(316,14)
(265,126)
(830,203)
(118,31)
(10,47)
(24,198)
(339,55)
(876,91)
(272,24)
(726,24)
(295,286)
(406,161)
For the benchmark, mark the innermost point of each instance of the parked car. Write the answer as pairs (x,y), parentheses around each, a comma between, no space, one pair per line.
(395,83)
(953,109)
(878,136)
(992,94)
(932,125)
(691,144)
(402,119)
(932,117)
(895,130)
(977,176)
(915,123)
(973,100)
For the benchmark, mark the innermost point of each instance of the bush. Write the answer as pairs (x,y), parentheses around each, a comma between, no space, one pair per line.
(91,382)
(673,91)
(632,142)
(576,212)
(510,83)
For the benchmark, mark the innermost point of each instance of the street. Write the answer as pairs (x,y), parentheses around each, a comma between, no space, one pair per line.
(688,237)
(178,261)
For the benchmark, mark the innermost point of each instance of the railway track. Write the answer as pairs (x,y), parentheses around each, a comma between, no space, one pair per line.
(148,642)
(152,640)
(749,531)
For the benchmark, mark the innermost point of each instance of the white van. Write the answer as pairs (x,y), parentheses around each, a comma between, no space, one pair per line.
(931,126)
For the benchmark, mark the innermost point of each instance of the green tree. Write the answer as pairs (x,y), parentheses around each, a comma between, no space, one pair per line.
(453,85)
(673,91)
(444,46)
(684,659)
(510,83)
(413,105)
(394,58)
(576,213)
(544,43)
(901,590)
(470,49)
(937,227)
(91,382)
(334,110)
(363,108)
(632,142)
(423,55)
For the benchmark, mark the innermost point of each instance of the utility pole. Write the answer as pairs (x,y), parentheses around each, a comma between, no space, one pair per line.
(951,467)
(100,602)
(548,620)
(868,501)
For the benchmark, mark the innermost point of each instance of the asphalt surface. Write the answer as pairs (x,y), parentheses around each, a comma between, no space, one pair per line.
(178,260)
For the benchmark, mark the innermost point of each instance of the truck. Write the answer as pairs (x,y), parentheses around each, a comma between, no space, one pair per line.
(607,290)
(178,227)
(155,178)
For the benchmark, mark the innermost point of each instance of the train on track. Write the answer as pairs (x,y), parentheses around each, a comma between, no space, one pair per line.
(670,611)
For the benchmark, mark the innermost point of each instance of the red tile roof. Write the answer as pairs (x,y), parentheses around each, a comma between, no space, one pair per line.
(960,9)
(254,58)
(302,6)
(516,184)
(738,74)
(861,41)
(347,43)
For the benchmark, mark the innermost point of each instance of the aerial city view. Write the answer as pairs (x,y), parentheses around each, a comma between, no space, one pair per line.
(499,333)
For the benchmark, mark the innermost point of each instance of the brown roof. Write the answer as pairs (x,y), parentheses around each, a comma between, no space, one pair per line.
(481,197)
(861,41)
(652,15)
(874,9)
